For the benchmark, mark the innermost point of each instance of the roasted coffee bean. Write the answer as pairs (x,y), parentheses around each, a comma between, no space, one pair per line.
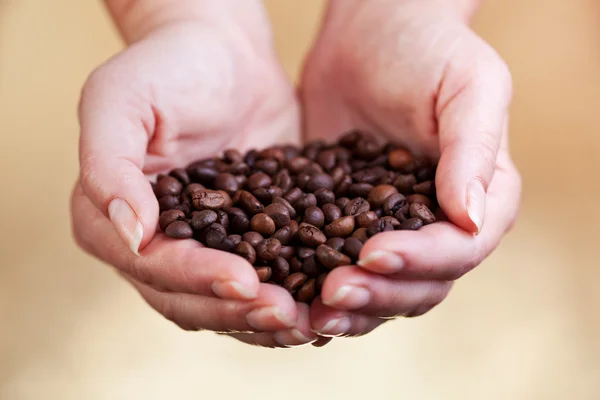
(378,161)
(369,175)
(216,227)
(361,234)
(184,207)
(379,212)
(264,273)
(331,212)
(268,166)
(239,169)
(236,239)
(310,267)
(209,200)
(297,164)
(327,159)
(425,174)
(284,235)
(314,216)
(311,235)
(287,252)
(364,219)
(367,149)
(403,214)
(280,270)
(426,188)
(350,139)
(279,213)
(246,251)
(342,202)
(302,180)
(307,292)
(312,149)
(421,211)
(388,178)
(379,193)
(304,252)
(331,258)
(352,247)
(227,182)
(419,198)
(203,175)
(341,227)
(249,203)
(319,181)
(168,186)
(169,216)
(233,156)
(324,196)
(254,238)
(400,158)
(295,265)
(293,195)
(335,243)
(262,224)
(223,219)
(337,175)
(215,239)
(168,203)
(405,183)
(251,157)
(291,210)
(180,175)
(307,201)
(238,220)
(393,203)
(193,187)
(360,190)
(295,227)
(268,249)
(412,224)
(290,151)
(357,165)
(275,153)
(293,282)
(320,281)
(179,230)
(357,206)
(341,188)
(202,219)
(283,180)
(378,226)
(393,221)
(258,180)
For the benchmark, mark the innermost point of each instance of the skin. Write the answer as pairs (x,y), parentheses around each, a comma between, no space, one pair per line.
(202,76)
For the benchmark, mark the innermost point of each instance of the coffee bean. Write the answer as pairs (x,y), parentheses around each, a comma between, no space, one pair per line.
(223,219)
(357,165)
(426,188)
(379,212)
(283,180)
(378,226)
(426,173)
(307,292)
(268,166)
(203,175)
(411,224)
(327,159)
(284,235)
(280,270)
(287,252)
(227,182)
(180,175)
(168,203)
(184,207)
(356,206)
(302,180)
(215,238)
(258,180)
(291,210)
(168,186)
(350,139)
(314,216)
(238,220)
(262,224)
(378,161)
(209,200)
(254,238)
(367,149)
(251,157)
(297,164)
(360,190)
(379,193)
(264,273)
(369,175)
(419,198)
(310,267)
(246,251)
(331,258)
(295,227)
(279,213)
(341,188)
(311,235)
(337,175)
(393,203)
(275,153)
(421,211)
(290,151)
(319,181)
(331,212)
(388,178)
(320,281)
(179,230)
(405,183)
(312,149)
(169,216)
(361,234)
(238,170)
(400,158)
(233,156)
(305,252)
(335,243)
(202,219)
(295,265)
(342,202)
(364,219)
(324,196)
(352,247)
(193,187)
(249,203)
(393,221)
(236,239)
(341,227)
(268,249)
(307,201)
(293,282)
(403,213)
(294,195)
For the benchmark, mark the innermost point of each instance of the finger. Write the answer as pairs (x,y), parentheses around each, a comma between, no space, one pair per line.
(352,288)
(322,341)
(116,124)
(273,310)
(442,251)
(165,264)
(331,322)
(471,111)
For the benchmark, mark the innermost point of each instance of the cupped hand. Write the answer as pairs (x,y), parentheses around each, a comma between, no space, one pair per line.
(182,92)
(414,73)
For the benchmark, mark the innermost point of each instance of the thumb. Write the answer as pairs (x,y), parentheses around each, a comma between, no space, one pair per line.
(114,136)
(472,121)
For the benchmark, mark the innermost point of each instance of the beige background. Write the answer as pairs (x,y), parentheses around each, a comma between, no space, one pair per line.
(525,325)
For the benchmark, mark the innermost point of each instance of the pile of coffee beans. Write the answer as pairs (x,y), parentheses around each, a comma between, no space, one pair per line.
(297,213)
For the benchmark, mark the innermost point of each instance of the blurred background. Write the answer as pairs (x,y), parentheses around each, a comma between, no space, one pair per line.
(524,325)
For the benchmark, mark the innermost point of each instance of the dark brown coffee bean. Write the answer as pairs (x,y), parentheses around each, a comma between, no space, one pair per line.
(331,258)
(324,196)
(290,151)
(293,195)
(307,201)
(179,230)
(364,219)
(369,175)
(341,227)
(283,180)
(379,212)
(168,186)
(425,174)
(421,211)
(378,226)
(350,139)
(393,221)
(426,188)
(275,153)
(327,159)
(215,239)
(279,213)
(293,282)
(236,239)
(405,183)
(302,180)
(367,149)
(411,224)
(280,270)
(262,224)
(169,216)
(312,149)
(295,228)
(297,164)
(246,251)
(287,252)
(335,243)
(331,213)
(251,157)
(403,214)
(203,175)
(295,265)
(209,200)
(264,273)
(202,219)
(400,158)
(360,189)
(357,206)
(227,182)
(378,161)
(379,193)
(310,267)
(307,292)
(180,175)
(238,220)
(216,227)
(284,235)
(311,235)
(352,247)
(388,178)
(320,281)
(168,203)
(268,249)
(193,187)
(304,252)
(249,203)
(233,156)
(419,198)
(342,202)
(314,216)
(337,175)
(223,219)
(240,169)
(341,188)
(184,207)
(361,234)
(291,210)
(319,181)
(357,165)
(254,238)
(393,203)
(258,180)
(269,166)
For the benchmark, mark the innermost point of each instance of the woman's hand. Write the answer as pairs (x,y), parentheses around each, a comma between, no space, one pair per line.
(413,72)
(197,77)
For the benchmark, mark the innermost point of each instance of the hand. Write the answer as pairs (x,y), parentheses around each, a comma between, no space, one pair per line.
(413,72)
(187,87)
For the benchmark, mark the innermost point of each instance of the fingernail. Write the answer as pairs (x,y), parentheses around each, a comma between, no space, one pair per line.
(126,223)
(476,203)
(335,327)
(292,337)
(232,290)
(349,297)
(264,318)
(382,261)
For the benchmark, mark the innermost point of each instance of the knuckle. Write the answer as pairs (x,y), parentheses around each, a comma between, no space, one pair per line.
(137,269)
